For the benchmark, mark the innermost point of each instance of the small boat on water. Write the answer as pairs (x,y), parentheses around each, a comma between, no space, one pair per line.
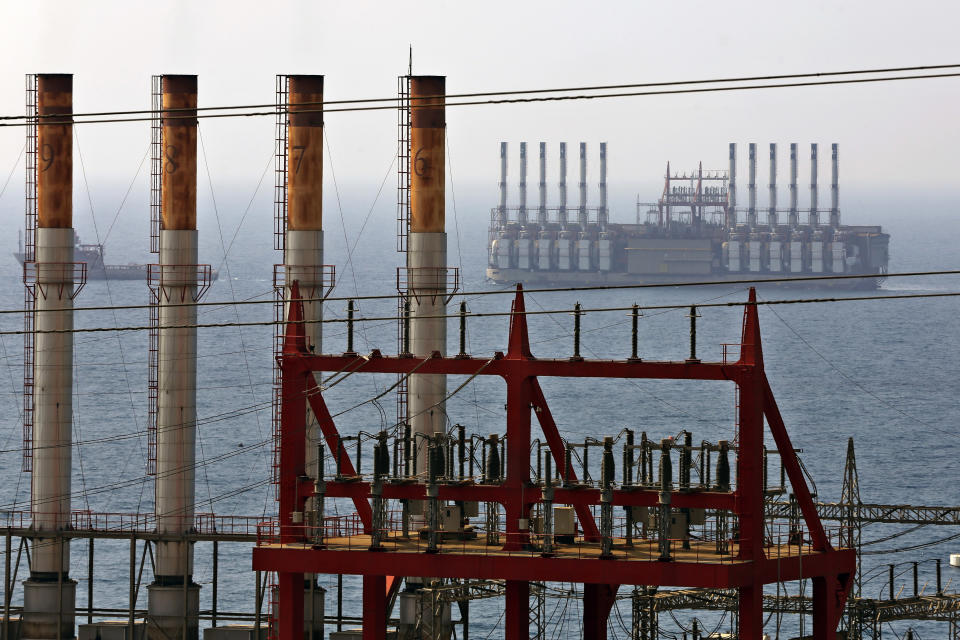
(97,269)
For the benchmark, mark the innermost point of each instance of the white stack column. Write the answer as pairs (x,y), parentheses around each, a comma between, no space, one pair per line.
(174,599)
(176,399)
(427,257)
(49,594)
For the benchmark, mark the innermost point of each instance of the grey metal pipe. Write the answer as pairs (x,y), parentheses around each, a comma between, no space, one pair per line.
(793,184)
(602,218)
(772,210)
(835,186)
(582,218)
(752,185)
(502,209)
(732,184)
(522,213)
(814,214)
(563,184)
(542,209)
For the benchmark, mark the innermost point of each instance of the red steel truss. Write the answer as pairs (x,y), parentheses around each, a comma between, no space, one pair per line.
(754,560)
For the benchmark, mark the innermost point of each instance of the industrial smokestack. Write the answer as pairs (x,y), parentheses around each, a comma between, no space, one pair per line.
(522,213)
(835,186)
(542,209)
(752,186)
(173,599)
(772,210)
(427,255)
(502,209)
(49,593)
(732,188)
(303,245)
(563,185)
(793,184)
(814,214)
(602,218)
(582,215)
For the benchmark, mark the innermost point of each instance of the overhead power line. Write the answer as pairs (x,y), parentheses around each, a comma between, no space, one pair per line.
(483,94)
(493,314)
(658,88)
(512,291)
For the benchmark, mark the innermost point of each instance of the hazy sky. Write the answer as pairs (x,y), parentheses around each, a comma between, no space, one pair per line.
(891,135)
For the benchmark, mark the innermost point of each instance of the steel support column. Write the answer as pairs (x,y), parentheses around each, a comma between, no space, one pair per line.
(289,614)
(517,615)
(292,468)
(826,613)
(598,599)
(374,607)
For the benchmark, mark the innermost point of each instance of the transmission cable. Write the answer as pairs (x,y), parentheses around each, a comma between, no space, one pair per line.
(561,98)
(511,290)
(492,314)
(481,94)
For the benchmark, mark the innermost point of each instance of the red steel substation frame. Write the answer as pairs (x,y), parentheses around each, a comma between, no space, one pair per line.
(752,564)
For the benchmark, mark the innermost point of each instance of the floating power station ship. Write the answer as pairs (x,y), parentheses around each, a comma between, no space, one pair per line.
(694,231)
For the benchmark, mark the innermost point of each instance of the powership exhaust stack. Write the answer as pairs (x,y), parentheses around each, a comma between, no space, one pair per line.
(49,593)
(542,209)
(835,186)
(522,212)
(173,598)
(427,256)
(563,185)
(603,215)
(502,209)
(582,217)
(794,220)
(752,185)
(814,214)
(772,209)
(732,189)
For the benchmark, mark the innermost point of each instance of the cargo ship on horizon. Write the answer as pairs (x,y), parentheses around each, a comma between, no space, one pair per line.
(693,232)
(97,269)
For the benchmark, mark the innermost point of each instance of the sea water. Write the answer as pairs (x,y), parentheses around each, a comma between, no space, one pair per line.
(886,373)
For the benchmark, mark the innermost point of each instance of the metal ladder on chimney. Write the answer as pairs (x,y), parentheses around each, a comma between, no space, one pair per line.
(156,223)
(29,255)
(281,139)
(403,224)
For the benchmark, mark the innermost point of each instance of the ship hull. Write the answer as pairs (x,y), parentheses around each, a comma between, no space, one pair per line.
(115,271)
(594,278)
